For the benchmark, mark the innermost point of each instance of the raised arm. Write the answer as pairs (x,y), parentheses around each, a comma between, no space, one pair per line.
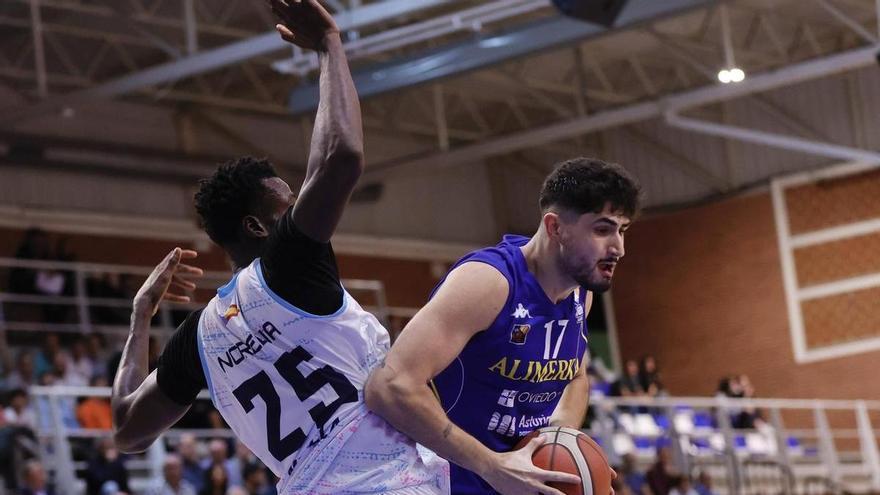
(336,158)
(141,411)
(467,303)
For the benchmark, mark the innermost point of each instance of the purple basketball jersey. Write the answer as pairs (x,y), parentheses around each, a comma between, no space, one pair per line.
(509,378)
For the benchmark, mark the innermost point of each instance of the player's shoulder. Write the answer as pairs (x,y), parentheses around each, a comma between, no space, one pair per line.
(478,272)
(190,325)
(475,285)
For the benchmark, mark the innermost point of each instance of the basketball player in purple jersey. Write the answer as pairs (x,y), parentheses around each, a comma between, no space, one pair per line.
(504,336)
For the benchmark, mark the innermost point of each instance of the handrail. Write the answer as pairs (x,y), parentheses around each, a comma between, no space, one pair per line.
(83,302)
(88,267)
(709,402)
(663,402)
(734,460)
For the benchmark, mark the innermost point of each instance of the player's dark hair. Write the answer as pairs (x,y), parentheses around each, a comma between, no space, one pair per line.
(234,191)
(586,185)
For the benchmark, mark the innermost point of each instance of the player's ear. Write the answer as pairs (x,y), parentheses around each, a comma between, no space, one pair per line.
(552,224)
(253,227)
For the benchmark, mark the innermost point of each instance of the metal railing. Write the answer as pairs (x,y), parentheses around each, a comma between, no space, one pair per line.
(790,453)
(840,459)
(83,303)
(55,441)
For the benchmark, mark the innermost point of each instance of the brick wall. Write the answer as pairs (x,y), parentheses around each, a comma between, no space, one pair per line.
(702,290)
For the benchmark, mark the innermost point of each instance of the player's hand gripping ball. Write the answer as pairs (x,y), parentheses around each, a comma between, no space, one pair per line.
(572,451)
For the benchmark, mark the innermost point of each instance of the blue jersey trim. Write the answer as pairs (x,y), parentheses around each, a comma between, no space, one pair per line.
(280,300)
(203,359)
(225,290)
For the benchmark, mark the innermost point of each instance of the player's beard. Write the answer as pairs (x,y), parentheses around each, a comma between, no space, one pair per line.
(586,274)
(594,282)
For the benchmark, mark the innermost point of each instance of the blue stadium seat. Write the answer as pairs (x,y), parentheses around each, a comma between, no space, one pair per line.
(703,420)
(662,421)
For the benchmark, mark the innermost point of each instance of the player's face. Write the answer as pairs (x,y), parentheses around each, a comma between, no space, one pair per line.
(590,247)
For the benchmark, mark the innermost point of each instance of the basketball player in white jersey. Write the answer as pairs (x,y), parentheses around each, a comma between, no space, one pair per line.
(284,350)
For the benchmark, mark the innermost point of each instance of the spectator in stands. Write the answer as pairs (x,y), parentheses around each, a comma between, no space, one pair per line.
(66,405)
(34,482)
(106,471)
(218,453)
(80,367)
(740,387)
(172,482)
(24,375)
(703,486)
(108,286)
(238,462)
(54,283)
(632,477)
(95,412)
(193,472)
(629,384)
(255,480)
(45,359)
(19,412)
(34,246)
(649,377)
(682,486)
(750,418)
(96,350)
(61,369)
(6,365)
(661,476)
(216,480)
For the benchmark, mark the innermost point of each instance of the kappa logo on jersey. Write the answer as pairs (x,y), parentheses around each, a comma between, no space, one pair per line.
(507,397)
(231,312)
(521,312)
(519,333)
(503,425)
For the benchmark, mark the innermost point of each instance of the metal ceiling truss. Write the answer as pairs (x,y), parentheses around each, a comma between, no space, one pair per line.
(514,106)
(712,93)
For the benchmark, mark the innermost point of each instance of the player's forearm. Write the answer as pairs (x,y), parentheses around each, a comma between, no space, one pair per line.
(134,363)
(133,367)
(413,409)
(572,407)
(337,139)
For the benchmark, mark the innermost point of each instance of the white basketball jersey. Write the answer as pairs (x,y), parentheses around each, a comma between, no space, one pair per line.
(290,385)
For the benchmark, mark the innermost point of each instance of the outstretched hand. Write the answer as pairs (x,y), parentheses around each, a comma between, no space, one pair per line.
(305,23)
(167,273)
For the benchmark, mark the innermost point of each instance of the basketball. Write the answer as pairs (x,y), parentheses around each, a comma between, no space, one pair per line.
(572,451)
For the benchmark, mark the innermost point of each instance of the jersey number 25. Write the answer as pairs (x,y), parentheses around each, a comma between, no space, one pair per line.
(304,387)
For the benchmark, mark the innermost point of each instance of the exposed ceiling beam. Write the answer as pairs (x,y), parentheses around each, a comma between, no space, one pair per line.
(216,58)
(791,143)
(489,50)
(712,93)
